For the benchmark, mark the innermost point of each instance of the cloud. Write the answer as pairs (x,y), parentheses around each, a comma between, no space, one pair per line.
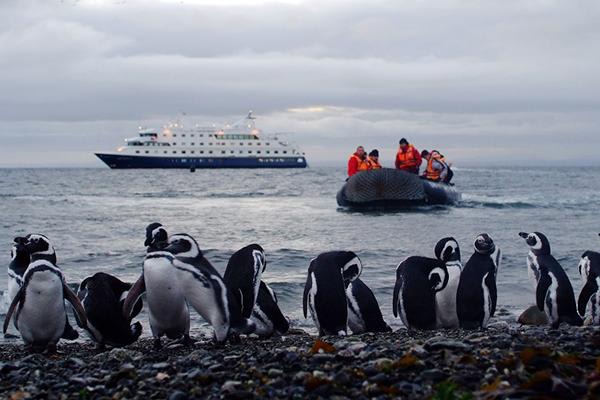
(461,75)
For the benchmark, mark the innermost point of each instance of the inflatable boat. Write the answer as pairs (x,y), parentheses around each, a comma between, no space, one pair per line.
(392,188)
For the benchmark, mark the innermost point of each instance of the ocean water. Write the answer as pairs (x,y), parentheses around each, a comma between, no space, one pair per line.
(96,219)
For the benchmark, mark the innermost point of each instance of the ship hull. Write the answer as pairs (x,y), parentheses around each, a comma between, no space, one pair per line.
(121,161)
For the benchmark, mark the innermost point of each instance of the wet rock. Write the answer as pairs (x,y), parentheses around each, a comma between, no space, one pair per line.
(533,316)
(440,343)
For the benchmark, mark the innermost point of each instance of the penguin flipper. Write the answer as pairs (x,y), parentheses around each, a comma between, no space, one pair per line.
(307,288)
(397,288)
(12,307)
(138,288)
(587,291)
(542,289)
(77,306)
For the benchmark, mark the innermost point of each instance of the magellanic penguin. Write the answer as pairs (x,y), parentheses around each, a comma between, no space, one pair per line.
(204,289)
(325,290)
(39,306)
(267,315)
(589,269)
(418,280)
(167,307)
(157,237)
(102,296)
(242,276)
(477,295)
(448,251)
(364,314)
(553,291)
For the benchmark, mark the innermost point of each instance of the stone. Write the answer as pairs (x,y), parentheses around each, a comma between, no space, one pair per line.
(533,316)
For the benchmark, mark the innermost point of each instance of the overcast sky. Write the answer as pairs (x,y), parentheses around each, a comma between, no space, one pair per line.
(506,82)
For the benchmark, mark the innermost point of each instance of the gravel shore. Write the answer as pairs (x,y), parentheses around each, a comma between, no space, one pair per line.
(503,361)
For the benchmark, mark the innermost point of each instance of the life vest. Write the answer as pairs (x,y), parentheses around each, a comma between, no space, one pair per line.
(362,165)
(407,159)
(374,164)
(431,173)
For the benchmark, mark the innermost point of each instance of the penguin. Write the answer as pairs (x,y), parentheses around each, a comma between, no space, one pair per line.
(102,297)
(205,290)
(41,315)
(168,311)
(157,237)
(553,291)
(589,269)
(18,264)
(40,248)
(476,295)
(325,290)
(364,314)
(267,315)
(418,280)
(448,251)
(242,276)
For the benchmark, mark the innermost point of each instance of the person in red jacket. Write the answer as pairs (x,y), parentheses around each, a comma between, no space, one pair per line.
(408,157)
(357,161)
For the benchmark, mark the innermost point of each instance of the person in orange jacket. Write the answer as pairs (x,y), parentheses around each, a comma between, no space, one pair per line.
(438,170)
(408,157)
(374,159)
(357,161)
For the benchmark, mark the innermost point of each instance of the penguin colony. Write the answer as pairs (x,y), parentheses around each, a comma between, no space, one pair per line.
(430,293)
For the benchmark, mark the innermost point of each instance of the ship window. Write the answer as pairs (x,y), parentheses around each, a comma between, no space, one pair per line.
(285,152)
(232,151)
(241,152)
(183,135)
(174,135)
(249,144)
(137,152)
(165,152)
(276,152)
(147,152)
(210,144)
(210,152)
(192,151)
(268,152)
(192,135)
(268,144)
(209,135)
(182,151)
(222,151)
(201,151)
(258,144)
(257,151)
(249,151)
(201,135)
(174,152)
(191,144)
(174,144)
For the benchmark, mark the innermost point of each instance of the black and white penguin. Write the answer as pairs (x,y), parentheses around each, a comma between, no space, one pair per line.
(40,248)
(418,280)
(168,311)
(553,291)
(102,296)
(157,237)
(364,314)
(589,269)
(448,251)
(476,296)
(205,290)
(267,315)
(325,290)
(41,316)
(242,276)
(19,261)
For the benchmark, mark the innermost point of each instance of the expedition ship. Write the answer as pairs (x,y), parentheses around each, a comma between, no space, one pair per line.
(240,145)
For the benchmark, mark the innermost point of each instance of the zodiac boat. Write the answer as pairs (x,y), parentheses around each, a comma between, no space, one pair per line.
(392,188)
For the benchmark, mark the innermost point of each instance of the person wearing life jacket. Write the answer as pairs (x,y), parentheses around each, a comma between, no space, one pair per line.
(358,161)
(438,170)
(408,157)
(374,159)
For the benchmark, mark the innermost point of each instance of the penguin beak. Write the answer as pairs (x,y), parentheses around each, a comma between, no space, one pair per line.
(524,235)
(147,242)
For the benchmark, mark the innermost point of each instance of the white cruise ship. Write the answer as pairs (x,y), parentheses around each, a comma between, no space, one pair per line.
(240,145)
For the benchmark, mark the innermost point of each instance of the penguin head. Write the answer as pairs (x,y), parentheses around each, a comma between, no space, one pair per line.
(38,244)
(537,242)
(17,247)
(484,244)
(183,245)
(351,265)
(447,249)
(156,236)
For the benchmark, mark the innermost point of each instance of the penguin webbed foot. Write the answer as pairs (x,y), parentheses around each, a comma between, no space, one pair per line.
(157,345)
(10,336)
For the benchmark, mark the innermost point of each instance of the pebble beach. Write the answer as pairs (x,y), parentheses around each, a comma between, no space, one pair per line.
(501,362)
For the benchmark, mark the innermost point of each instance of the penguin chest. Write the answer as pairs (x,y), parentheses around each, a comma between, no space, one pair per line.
(551,300)
(42,316)
(312,295)
(446,315)
(533,269)
(164,295)
(356,322)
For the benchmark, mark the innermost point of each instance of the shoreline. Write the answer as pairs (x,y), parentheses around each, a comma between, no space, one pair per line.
(499,362)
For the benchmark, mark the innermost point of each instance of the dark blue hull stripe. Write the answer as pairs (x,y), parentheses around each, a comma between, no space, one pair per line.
(126,161)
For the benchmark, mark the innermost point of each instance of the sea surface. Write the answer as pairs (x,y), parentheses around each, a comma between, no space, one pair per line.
(96,219)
